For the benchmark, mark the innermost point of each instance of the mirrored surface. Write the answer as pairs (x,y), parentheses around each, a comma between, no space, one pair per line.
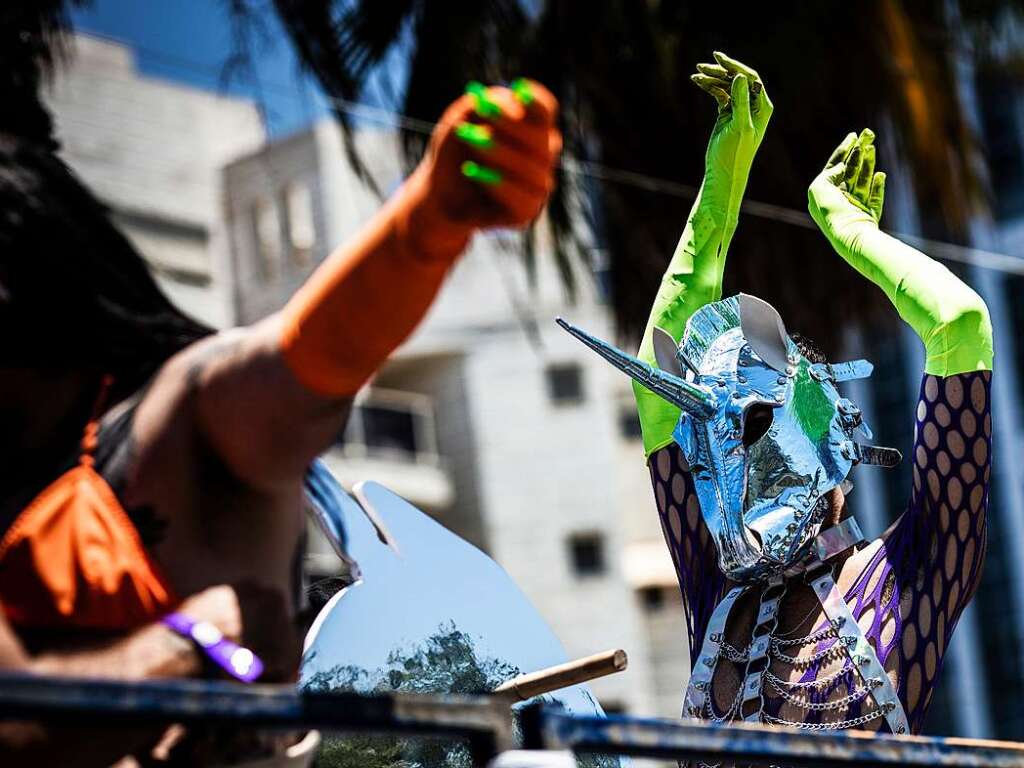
(430,613)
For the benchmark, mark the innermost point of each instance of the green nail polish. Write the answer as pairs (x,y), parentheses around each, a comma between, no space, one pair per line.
(484,106)
(476,135)
(480,173)
(523,92)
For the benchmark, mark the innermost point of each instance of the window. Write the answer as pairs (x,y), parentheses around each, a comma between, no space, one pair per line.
(586,553)
(387,428)
(629,421)
(652,598)
(267,236)
(297,203)
(394,425)
(565,383)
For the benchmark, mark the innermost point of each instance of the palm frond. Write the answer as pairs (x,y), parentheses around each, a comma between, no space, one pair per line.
(620,69)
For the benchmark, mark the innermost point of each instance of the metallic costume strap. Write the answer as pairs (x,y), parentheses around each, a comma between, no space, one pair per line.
(704,669)
(837,539)
(854,369)
(878,456)
(752,704)
(861,652)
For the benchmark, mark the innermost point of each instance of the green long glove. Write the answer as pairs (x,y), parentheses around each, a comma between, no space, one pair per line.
(845,201)
(694,276)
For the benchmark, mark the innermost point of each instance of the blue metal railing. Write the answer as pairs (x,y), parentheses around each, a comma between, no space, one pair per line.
(546,728)
(485,723)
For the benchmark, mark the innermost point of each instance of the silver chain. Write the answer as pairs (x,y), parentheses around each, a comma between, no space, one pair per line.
(731,653)
(815,637)
(838,725)
(816,683)
(824,706)
(729,713)
(803,662)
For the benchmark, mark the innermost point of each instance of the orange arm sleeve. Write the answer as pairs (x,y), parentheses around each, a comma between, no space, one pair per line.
(368,296)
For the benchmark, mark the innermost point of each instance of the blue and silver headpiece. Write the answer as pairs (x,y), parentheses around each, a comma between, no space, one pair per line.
(764,430)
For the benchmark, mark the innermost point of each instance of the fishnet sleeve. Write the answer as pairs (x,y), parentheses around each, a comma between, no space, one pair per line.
(701,582)
(940,541)
(952,462)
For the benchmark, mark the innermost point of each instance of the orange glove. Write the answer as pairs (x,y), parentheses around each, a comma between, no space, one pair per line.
(490,163)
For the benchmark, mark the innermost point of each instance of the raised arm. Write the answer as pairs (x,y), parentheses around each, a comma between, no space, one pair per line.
(694,278)
(694,275)
(270,398)
(939,541)
(952,321)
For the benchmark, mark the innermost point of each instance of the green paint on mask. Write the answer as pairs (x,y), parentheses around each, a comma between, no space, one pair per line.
(811,408)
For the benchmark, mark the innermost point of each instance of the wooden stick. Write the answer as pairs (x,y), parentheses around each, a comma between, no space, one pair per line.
(563,675)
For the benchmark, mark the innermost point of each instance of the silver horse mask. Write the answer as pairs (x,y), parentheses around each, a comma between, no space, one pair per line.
(764,430)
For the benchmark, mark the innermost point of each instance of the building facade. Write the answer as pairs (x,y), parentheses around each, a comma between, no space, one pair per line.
(153,151)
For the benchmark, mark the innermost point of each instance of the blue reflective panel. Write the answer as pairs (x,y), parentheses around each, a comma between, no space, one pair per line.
(430,613)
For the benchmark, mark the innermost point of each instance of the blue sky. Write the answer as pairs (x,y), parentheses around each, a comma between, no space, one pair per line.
(189,41)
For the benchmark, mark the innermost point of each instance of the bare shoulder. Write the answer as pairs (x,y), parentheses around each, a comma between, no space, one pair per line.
(169,446)
(166,411)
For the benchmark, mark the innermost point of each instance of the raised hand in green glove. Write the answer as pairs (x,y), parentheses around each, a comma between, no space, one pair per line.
(848,194)
(743,113)
(845,201)
(694,276)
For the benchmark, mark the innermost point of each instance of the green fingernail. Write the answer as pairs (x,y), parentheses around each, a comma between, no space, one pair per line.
(484,106)
(523,92)
(480,173)
(476,135)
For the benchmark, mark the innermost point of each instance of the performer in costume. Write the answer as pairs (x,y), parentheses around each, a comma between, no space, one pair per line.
(146,465)
(793,617)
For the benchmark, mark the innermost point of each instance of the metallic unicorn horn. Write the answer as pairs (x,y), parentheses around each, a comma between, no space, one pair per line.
(692,398)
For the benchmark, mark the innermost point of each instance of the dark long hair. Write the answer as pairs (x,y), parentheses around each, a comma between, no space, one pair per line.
(74,293)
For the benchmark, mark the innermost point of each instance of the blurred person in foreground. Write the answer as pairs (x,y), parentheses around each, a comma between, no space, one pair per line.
(152,484)
(794,618)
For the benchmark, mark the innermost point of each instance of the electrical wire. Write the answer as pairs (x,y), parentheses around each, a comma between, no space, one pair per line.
(977,257)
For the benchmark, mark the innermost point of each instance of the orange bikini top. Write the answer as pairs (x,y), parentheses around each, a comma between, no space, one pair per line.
(74,559)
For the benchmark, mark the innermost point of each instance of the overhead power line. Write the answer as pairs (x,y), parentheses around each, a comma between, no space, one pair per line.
(977,257)
(936,248)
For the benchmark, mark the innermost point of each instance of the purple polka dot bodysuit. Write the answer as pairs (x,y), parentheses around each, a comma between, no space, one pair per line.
(907,591)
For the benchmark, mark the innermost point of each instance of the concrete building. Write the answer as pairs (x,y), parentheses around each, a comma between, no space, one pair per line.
(152,150)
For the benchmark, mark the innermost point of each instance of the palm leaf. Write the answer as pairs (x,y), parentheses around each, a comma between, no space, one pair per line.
(620,69)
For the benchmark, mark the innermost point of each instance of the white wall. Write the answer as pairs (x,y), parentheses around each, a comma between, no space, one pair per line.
(152,151)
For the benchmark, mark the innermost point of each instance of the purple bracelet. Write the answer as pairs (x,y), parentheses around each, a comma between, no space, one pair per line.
(239,662)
